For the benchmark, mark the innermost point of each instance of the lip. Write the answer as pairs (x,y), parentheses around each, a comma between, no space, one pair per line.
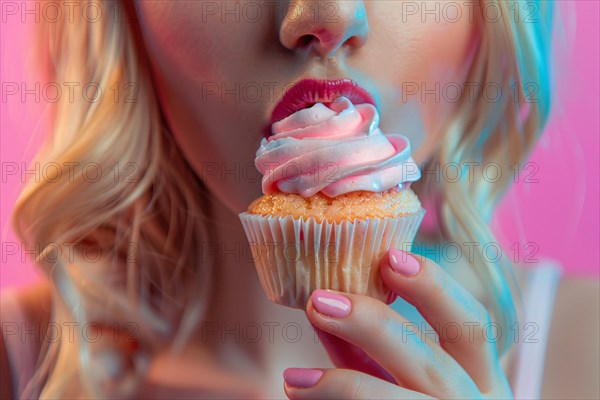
(308,92)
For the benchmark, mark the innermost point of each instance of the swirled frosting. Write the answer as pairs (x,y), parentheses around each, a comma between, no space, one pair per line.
(334,149)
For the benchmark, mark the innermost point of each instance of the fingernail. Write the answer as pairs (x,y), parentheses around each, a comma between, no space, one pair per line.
(403,263)
(331,304)
(302,377)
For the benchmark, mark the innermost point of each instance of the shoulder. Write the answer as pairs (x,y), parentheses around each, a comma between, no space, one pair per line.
(34,301)
(5,373)
(571,368)
(29,309)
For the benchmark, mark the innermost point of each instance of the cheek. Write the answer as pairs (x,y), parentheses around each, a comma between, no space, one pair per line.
(430,69)
(171,35)
(217,136)
(443,80)
(445,71)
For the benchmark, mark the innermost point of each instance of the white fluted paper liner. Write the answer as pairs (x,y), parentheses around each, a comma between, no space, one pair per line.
(293,257)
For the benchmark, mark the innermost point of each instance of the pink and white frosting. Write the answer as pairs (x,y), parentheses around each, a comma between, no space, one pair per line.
(334,149)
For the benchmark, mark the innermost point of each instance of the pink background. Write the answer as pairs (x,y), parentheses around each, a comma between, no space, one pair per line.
(559,213)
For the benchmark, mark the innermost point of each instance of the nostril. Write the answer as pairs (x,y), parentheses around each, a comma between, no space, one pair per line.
(302,28)
(305,40)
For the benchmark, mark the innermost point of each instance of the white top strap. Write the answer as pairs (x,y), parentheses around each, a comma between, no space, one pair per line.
(540,292)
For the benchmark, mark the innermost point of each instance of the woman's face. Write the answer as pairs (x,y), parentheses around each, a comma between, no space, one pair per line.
(221,67)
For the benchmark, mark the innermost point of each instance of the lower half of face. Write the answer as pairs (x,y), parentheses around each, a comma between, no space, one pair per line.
(221,67)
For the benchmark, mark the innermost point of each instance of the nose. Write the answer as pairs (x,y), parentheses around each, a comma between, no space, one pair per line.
(325,25)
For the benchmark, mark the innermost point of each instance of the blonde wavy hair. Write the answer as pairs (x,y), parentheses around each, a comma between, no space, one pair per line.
(130,193)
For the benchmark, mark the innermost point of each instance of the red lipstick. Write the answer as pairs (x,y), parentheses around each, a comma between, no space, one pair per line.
(307,92)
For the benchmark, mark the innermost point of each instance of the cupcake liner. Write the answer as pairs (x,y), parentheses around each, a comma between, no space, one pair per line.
(293,257)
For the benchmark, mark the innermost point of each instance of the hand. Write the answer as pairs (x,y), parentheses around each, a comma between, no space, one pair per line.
(379,354)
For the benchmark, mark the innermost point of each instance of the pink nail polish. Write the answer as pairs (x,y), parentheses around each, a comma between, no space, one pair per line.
(331,304)
(403,263)
(302,377)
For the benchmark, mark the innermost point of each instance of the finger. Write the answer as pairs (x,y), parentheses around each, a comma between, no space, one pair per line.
(348,356)
(462,323)
(341,384)
(391,341)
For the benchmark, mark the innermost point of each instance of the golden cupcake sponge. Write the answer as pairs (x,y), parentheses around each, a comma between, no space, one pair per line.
(358,204)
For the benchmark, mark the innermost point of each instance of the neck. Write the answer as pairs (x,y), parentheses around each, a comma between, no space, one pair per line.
(236,281)
(239,307)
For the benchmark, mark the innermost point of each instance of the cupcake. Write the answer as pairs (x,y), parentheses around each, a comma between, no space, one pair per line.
(336,198)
